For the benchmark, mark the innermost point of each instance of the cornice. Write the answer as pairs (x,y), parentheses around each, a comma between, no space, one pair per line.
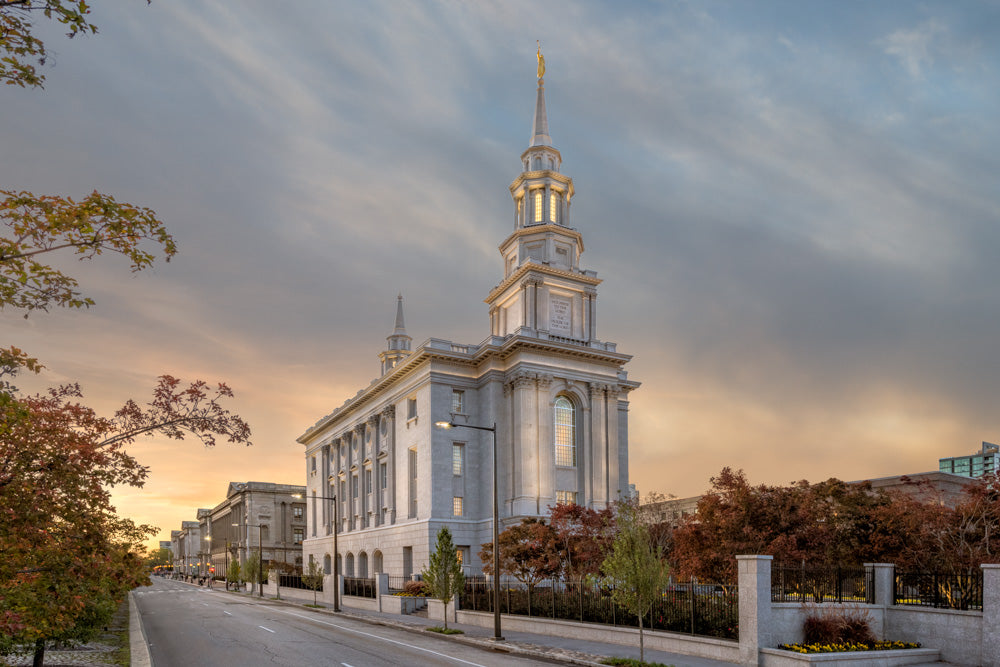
(542,174)
(530,266)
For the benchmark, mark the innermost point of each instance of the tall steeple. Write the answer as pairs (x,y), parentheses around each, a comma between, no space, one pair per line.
(540,128)
(398,342)
(544,292)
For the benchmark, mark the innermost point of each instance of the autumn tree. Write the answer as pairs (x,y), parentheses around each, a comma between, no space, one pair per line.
(582,536)
(66,558)
(443,574)
(527,551)
(636,566)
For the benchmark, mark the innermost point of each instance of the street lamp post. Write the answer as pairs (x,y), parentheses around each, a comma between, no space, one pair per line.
(336,581)
(496,522)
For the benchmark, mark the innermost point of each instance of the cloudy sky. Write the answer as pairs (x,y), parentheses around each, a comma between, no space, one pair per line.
(794,207)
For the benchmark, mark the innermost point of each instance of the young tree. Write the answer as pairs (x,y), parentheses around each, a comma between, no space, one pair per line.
(636,566)
(312,578)
(251,570)
(233,573)
(443,574)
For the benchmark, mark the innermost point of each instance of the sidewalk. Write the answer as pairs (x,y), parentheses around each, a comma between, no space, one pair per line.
(562,649)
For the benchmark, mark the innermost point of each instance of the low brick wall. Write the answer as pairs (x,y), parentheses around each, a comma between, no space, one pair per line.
(959,634)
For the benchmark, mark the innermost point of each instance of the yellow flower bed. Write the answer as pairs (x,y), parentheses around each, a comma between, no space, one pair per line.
(837,647)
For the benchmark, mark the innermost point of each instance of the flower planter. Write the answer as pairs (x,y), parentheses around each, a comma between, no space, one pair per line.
(776,657)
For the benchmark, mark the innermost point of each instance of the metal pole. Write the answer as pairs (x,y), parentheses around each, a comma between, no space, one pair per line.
(496,544)
(260,563)
(336,578)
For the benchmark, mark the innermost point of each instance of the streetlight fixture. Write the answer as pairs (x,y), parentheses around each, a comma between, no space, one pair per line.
(496,522)
(336,522)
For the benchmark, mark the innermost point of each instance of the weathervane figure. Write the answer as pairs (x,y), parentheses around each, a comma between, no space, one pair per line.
(541,61)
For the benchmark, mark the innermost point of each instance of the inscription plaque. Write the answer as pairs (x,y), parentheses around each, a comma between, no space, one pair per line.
(560,316)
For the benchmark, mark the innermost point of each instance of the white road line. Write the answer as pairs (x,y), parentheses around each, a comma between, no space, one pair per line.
(385,639)
(345,664)
(227,613)
(268,629)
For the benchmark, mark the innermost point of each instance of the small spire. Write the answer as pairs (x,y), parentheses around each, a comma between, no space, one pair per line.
(540,129)
(400,327)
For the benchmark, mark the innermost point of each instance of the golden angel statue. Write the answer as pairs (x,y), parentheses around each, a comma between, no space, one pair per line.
(541,61)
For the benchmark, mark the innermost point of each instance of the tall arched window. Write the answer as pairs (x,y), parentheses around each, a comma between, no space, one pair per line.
(565,419)
(553,207)
(538,206)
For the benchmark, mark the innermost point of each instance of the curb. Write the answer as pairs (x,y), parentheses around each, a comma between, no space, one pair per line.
(138,648)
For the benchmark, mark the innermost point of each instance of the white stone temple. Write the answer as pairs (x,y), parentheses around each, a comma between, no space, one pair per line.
(554,392)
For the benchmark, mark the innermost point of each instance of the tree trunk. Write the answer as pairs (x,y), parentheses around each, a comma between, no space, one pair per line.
(642,647)
(39,653)
(445,615)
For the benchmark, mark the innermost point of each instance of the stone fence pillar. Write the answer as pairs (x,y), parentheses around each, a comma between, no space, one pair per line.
(755,606)
(381,587)
(991,615)
(884,576)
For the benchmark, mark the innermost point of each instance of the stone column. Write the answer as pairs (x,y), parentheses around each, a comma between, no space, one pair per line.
(599,454)
(611,444)
(755,606)
(546,461)
(592,312)
(991,616)
(389,415)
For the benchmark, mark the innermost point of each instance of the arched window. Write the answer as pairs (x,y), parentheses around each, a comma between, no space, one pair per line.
(553,204)
(538,205)
(326,564)
(565,420)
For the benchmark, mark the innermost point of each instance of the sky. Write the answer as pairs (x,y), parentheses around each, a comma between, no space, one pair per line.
(794,208)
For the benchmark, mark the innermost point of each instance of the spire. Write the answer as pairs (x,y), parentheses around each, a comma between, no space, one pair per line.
(398,346)
(400,327)
(540,128)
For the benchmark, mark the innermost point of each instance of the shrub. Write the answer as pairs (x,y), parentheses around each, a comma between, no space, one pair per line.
(416,589)
(838,625)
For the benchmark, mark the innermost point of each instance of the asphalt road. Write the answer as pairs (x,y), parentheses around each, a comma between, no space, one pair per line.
(189,626)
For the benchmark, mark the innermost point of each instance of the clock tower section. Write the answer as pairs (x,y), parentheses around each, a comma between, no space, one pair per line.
(544,292)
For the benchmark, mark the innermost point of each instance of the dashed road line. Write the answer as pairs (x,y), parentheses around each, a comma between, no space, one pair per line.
(268,629)
(374,636)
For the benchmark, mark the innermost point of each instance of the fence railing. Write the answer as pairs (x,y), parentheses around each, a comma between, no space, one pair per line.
(694,608)
(359,587)
(946,591)
(801,583)
(295,581)
(397,584)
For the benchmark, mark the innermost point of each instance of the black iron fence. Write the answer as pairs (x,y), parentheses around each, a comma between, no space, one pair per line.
(397,584)
(295,581)
(802,583)
(946,591)
(694,608)
(359,587)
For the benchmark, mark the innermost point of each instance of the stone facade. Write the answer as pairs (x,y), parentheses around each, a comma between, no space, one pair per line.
(553,394)
(267,515)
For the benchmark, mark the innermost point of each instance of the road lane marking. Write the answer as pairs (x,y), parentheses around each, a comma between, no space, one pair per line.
(227,613)
(385,639)
(268,629)
(345,664)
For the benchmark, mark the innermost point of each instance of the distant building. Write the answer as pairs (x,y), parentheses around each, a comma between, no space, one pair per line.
(188,541)
(981,463)
(267,516)
(556,395)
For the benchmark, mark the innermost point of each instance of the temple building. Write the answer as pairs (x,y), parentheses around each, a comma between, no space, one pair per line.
(552,394)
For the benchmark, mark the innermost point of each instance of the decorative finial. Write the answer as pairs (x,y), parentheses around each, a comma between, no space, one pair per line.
(541,61)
